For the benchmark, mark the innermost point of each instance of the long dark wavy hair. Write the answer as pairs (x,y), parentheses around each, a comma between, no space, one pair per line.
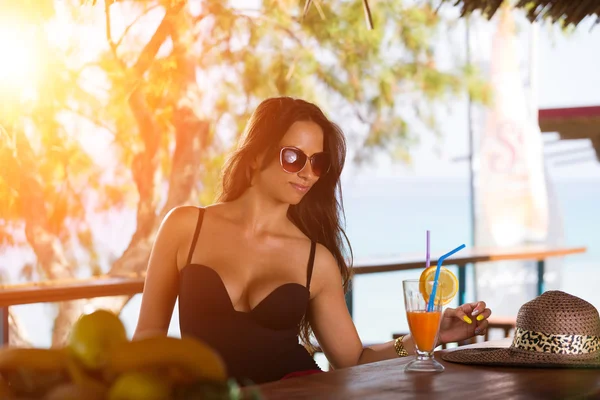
(320,213)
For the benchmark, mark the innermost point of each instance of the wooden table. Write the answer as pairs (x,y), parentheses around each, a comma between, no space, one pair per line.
(387,380)
(464,257)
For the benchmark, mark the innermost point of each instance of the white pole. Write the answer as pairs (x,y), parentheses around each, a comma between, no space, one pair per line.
(470,137)
(472,206)
(533,71)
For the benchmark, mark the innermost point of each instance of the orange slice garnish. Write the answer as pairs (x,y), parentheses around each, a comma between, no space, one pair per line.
(447,284)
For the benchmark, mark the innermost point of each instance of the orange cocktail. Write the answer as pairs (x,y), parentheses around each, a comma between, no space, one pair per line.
(424,327)
(424,324)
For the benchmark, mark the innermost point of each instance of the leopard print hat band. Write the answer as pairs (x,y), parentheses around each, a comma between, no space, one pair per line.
(556,344)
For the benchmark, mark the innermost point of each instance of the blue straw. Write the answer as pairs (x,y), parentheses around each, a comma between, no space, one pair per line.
(437,275)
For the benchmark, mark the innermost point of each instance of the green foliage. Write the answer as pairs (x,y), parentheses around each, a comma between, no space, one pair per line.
(372,77)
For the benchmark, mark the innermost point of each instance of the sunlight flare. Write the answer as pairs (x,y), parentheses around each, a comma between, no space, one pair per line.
(19,64)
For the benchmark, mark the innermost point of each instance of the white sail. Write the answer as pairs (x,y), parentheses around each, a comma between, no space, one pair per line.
(511,192)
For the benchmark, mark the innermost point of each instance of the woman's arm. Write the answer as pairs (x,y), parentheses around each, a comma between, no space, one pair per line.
(456,325)
(335,331)
(331,323)
(162,276)
(385,351)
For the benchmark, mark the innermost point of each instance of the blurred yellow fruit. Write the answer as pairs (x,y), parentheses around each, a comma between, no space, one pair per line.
(5,392)
(94,335)
(139,386)
(12,358)
(71,391)
(188,356)
(81,379)
(30,372)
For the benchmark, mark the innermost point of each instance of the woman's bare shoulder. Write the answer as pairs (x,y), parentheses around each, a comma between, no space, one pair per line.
(326,270)
(325,258)
(181,216)
(182,220)
(177,230)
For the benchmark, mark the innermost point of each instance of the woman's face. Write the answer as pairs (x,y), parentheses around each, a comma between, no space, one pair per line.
(287,187)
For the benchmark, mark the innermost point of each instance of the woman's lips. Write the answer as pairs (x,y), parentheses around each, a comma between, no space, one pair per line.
(300,188)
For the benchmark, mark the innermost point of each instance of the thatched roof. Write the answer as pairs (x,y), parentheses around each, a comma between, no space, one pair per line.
(566,11)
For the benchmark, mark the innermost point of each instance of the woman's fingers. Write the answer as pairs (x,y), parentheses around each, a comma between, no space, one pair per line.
(478,307)
(461,314)
(482,322)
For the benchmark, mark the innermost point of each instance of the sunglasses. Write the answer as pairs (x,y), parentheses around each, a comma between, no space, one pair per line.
(293,160)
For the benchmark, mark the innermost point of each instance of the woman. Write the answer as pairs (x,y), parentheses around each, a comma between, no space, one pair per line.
(265,264)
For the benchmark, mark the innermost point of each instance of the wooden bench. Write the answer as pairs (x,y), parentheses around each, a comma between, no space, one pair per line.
(507,324)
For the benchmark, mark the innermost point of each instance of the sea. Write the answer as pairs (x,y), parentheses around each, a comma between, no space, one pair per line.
(388,217)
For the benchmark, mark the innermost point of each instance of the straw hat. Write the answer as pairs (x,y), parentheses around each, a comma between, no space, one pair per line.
(554,330)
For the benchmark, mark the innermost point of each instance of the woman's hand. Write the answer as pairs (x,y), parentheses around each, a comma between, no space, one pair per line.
(464,322)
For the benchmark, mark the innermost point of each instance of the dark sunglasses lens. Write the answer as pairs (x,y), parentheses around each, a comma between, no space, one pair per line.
(320,163)
(292,160)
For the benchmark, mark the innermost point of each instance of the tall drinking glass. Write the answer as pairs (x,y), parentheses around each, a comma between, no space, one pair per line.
(424,325)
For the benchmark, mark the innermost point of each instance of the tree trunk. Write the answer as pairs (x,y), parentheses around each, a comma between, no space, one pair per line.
(191,137)
(68,312)
(46,245)
(17,336)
